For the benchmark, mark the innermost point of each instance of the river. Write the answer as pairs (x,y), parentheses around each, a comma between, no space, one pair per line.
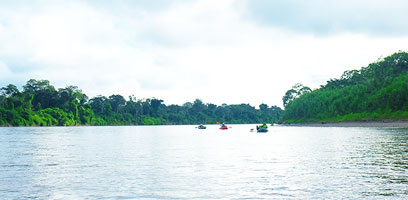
(182,162)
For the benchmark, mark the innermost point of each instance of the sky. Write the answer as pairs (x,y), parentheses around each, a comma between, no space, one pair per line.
(219,51)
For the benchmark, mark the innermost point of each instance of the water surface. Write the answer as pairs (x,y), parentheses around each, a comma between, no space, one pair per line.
(181,162)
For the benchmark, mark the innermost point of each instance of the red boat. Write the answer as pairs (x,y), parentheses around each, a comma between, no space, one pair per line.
(223,127)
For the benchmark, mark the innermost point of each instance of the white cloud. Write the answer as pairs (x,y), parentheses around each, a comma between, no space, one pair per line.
(193,49)
(327,17)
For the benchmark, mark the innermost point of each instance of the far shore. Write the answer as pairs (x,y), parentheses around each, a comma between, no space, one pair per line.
(394,124)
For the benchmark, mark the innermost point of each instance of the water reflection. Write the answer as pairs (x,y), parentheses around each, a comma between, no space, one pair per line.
(382,162)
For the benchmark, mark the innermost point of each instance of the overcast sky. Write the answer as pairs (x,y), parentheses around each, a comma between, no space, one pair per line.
(219,51)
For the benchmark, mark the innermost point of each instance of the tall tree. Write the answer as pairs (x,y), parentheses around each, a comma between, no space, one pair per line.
(296,91)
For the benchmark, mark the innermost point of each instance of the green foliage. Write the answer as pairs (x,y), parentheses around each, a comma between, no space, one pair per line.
(40,104)
(296,91)
(376,92)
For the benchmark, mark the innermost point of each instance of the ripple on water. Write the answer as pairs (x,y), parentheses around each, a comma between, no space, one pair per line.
(173,162)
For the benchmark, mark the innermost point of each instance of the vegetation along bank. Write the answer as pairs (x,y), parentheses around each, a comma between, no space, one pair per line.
(378,92)
(40,104)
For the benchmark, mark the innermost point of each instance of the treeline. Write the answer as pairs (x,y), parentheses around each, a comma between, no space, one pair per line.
(40,104)
(376,92)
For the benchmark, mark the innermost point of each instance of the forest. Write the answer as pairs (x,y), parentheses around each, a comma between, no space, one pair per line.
(376,92)
(41,104)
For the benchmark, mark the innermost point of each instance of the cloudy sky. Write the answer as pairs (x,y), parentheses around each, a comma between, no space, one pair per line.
(220,51)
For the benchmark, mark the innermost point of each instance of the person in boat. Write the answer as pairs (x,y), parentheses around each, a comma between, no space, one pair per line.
(261,126)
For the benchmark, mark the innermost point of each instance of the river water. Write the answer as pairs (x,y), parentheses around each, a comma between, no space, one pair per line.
(182,162)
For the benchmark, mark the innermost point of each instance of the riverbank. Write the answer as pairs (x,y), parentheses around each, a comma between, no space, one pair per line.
(393,124)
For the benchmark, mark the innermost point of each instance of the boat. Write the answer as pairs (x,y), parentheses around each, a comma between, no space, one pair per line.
(223,127)
(201,126)
(262,128)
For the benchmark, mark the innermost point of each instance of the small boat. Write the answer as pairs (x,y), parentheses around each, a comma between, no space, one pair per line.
(223,127)
(201,126)
(262,128)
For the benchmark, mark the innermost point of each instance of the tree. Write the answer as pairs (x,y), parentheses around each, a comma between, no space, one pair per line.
(33,86)
(263,107)
(98,104)
(43,94)
(10,90)
(70,93)
(133,106)
(296,91)
(155,103)
(198,106)
(117,102)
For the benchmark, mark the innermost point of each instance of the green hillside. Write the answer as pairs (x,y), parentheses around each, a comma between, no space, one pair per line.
(376,92)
